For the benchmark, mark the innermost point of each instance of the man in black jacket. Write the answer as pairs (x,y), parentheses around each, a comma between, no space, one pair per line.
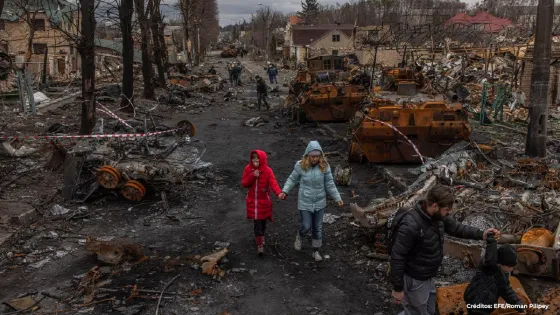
(261,93)
(492,280)
(417,252)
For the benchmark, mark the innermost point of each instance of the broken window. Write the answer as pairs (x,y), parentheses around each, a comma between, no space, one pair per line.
(338,63)
(39,48)
(336,38)
(372,36)
(2,25)
(39,24)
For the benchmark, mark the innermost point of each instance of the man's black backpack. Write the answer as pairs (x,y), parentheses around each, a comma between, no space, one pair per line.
(393,223)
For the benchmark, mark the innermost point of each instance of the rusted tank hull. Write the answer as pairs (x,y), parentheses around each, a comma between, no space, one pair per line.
(432,129)
(330,112)
(450,299)
(333,103)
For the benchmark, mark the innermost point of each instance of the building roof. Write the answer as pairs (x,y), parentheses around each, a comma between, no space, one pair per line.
(54,9)
(491,23)
(117,47)
(294,19)
(306,34)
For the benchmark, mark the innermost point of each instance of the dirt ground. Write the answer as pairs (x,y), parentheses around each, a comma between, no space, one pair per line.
(207,214)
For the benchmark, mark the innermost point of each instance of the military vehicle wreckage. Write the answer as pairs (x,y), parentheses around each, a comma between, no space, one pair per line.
(133,166)
(327,90)
(399,126)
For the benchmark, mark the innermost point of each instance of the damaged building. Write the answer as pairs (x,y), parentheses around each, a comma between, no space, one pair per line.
(31,29)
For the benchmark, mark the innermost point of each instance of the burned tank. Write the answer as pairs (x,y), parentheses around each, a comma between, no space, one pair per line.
(327,90)
(400,125)
(330,102)
(385,131)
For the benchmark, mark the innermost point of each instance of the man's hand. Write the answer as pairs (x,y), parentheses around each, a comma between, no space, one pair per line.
(491,230)
(282,196)
(340,203)
(256,173)
(398,296)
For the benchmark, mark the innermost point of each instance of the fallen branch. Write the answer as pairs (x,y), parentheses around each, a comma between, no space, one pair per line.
(484,155)
(510,128)
(163,291)
(142,291)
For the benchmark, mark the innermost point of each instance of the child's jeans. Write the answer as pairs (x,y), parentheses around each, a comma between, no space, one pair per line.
(312,221)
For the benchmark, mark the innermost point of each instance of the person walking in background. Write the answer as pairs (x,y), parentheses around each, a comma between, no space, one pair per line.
(261,93)
(315,179)
(259,178)
(272,73)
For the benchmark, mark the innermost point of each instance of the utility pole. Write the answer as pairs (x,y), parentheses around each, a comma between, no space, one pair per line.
(198,42)
(538,111)
(267,31)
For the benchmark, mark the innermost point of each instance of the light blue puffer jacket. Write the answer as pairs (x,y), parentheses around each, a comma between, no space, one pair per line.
(313,184)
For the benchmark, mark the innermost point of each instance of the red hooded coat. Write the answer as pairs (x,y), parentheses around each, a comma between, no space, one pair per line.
(259,203)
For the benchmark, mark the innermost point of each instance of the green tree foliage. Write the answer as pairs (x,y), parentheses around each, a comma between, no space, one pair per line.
(309,12)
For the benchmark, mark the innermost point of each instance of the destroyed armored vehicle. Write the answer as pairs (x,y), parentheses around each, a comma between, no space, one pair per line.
(330,102)
(430,126)
(405,81)
(327,91)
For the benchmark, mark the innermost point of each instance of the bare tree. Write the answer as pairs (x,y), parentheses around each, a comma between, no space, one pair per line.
(156,25)
(126,10)
(200,21)
(188,8)
(144,45)
(86,48)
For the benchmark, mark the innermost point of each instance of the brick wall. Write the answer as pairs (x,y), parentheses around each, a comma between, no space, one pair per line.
(61,57)
(525,75)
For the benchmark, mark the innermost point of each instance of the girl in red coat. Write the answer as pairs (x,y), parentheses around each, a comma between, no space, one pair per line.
(259,178)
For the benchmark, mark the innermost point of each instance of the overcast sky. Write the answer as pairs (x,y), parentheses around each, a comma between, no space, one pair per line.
(242,9)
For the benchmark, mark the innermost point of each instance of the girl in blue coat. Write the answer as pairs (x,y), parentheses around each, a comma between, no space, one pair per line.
(315,180)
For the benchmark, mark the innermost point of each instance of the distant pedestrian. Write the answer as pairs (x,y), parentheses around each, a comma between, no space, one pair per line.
(417,248)
(272,72)
(491,281)
(315,179)
(261,93)
(259,178)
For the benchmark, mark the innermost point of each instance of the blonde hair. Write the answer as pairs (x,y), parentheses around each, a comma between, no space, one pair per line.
(306,163)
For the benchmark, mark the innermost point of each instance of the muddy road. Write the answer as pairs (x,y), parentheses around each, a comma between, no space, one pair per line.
(207,214)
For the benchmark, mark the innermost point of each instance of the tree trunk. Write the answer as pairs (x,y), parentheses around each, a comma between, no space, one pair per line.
(1,6)
(86,48)
(30,42)
(538,109)
(155,17)
(144,46)
(126,10)
(163,47)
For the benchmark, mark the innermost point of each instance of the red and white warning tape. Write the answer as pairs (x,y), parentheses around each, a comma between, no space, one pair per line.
(116,135)
(402,134)
(110,113)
